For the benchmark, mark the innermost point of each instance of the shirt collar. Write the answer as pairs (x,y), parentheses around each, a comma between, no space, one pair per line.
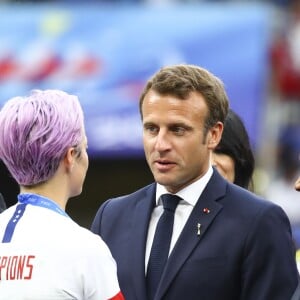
(189,194)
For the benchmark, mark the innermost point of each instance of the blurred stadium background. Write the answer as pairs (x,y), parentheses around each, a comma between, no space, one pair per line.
(104,51)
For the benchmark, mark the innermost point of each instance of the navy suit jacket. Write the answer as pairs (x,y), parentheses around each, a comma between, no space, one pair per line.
(244,251)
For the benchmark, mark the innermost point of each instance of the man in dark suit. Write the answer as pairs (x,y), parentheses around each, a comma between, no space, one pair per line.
(226,242)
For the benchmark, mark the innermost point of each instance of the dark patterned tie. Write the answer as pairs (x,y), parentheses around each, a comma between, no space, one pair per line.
(161,243)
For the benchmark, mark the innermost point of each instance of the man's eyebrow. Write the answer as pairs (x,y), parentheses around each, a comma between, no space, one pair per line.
(179,124)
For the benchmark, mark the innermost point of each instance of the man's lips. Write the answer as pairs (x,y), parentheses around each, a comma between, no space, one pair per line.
(164,165)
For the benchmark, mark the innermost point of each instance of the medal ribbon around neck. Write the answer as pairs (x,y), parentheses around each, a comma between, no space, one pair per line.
(23,201)
(38,200)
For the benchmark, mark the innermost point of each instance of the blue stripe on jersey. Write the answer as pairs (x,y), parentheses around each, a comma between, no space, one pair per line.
(31,199)
(10,228)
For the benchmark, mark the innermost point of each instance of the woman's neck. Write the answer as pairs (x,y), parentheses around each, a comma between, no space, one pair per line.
(45,190)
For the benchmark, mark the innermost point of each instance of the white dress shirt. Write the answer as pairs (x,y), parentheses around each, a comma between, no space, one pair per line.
(190,196)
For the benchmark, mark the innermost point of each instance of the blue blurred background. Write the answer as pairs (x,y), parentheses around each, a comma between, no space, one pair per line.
(104,54)
(104,51)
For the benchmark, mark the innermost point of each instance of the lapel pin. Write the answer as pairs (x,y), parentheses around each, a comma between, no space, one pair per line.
(206,210)
(198,229)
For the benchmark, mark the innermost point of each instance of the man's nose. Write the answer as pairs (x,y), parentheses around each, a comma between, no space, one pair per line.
(162,141)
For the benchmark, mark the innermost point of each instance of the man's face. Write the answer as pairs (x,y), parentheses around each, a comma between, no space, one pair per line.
(176,146)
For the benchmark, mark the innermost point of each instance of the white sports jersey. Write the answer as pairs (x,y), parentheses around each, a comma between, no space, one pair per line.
(46,256)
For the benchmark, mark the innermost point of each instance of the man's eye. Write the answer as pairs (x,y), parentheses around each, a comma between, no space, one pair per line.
(151,129)
(178,130)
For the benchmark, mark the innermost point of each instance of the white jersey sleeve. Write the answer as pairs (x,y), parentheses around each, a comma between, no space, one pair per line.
(100,270)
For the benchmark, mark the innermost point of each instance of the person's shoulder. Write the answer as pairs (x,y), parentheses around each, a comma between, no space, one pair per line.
(83,238)
(78,234)
(248,198)
(253,208)
(7,213)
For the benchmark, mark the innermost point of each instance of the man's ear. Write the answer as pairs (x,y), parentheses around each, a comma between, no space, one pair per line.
(214,135)
(69,159)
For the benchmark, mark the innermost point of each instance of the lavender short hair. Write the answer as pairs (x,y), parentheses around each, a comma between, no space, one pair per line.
(36,131)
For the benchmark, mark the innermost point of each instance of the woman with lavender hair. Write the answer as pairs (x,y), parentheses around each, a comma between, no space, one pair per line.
(44,254)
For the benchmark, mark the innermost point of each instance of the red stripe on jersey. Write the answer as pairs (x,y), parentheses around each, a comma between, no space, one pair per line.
(119,296)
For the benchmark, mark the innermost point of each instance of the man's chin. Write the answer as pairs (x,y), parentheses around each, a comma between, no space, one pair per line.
(168,183)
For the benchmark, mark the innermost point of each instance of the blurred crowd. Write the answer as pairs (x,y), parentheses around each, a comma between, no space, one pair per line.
(284,113)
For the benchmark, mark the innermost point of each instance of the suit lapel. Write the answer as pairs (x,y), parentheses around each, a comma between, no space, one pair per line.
(140,223)
(203,213)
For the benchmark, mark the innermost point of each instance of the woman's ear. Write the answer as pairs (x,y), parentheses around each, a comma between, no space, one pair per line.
(215,135)
(69,159)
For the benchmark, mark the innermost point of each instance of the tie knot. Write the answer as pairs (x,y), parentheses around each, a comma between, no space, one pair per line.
(170,201)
